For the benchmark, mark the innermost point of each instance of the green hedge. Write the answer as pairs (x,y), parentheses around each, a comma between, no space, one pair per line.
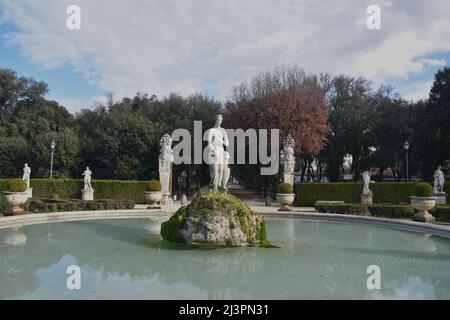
(71,189)
(441,213)
(345,208)
(391,211)
(61,205)
(383,192)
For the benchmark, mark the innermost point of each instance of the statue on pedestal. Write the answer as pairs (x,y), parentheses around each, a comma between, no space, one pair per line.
(288,160)
(87,194)
(87,179)
(438,187)
(26,175)
(439,180)
(366,195)
(165,167)
(217,139)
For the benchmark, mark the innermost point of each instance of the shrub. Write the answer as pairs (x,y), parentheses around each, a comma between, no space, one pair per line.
(16,185)
(391,210)
(71,189)
(307,194)
(4,206)
(62,205)
(346,208)
(441,213)
(285,188)
(423,190)
(154,185)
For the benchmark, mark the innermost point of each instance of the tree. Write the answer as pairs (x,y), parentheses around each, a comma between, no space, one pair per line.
(287,99)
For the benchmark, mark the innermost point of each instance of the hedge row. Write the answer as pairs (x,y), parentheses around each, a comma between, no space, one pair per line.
(61,205)
(383,192)
(71,189)
(441,213)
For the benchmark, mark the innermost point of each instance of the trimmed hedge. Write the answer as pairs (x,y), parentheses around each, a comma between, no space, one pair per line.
(71,189)
(15,185)
(4,206)
(383,192)
(62,205)
(441,213)
(346,208)
(391,211)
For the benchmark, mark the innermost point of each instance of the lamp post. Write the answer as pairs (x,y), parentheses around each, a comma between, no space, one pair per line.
(52,146)
(406,147)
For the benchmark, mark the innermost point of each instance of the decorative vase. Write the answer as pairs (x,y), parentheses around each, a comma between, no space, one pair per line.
(16,200)
(153,197)
(286,199)
(423,205)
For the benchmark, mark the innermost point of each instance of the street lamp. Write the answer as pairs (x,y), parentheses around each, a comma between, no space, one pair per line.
(406,146)
(52,146)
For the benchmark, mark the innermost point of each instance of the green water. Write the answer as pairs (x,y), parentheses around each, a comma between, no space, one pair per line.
(126,259)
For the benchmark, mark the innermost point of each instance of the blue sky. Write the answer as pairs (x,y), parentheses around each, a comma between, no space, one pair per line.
(159,47)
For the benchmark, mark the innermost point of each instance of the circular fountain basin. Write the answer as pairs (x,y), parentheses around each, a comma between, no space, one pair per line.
(126,259)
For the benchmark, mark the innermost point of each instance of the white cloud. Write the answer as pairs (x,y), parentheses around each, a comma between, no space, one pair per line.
(158,47)
(418,91)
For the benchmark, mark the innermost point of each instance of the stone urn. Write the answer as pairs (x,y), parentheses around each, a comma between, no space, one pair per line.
(285,199)
(16,200)
(153,197)
(423,205)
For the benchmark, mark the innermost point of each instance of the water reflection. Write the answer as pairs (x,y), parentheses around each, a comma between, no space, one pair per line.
(127,259)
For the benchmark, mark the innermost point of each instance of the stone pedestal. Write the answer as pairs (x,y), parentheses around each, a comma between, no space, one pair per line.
(366,198)
(423,217)
(87,194)
(166,199)
(441,198)
(288,178)
(183,199)
(30,193)
(164,178)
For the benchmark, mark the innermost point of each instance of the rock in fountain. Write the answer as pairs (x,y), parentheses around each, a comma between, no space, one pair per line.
(216,219)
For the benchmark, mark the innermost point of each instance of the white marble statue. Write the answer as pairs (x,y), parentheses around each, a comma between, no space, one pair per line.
(87,179)
(288,160)
(439,180)
(217,139)
(26,175)
(166,153)
(366,180)
(165,167)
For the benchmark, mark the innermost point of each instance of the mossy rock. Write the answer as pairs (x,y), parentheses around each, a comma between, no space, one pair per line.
(216,219)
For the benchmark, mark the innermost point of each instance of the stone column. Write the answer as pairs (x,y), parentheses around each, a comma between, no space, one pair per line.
(165,168)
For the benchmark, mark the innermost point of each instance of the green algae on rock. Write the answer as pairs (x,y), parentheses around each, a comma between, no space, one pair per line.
(216,219)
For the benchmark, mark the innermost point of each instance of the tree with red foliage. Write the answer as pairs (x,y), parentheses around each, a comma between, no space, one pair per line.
(287,99)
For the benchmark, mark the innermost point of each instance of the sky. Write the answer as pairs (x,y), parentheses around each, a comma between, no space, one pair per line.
(189,46)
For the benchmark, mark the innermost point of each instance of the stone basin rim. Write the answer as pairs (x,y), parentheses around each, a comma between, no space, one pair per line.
(53,217)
